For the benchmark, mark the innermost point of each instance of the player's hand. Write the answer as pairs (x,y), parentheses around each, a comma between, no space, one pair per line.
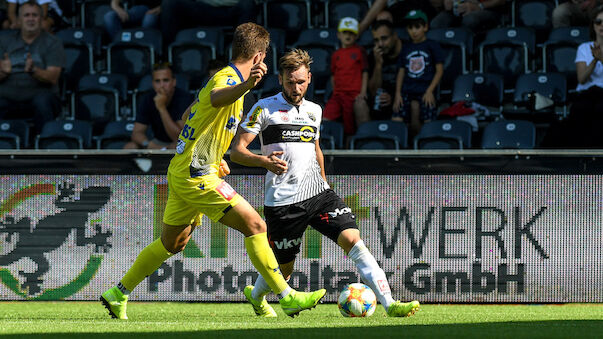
(257,73)
(429,99)
(397,103)
(5,64)
(223,170)
(275,164)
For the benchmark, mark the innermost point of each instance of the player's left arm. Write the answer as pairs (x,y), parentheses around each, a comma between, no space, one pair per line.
(321,160)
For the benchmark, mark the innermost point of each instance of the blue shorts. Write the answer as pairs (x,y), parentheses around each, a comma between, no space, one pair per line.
(426,113)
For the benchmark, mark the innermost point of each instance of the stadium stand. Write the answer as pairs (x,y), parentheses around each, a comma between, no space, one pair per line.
(14,134)
(508,134)
(380,134)
(444,134)
(65,134)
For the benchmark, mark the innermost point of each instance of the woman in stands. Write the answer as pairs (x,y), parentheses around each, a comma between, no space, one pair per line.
(586,109)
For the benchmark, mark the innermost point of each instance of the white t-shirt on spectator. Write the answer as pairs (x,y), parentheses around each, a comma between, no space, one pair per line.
(584,54)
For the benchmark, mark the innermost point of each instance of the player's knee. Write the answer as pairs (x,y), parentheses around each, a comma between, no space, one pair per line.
(175,245)
(256,226)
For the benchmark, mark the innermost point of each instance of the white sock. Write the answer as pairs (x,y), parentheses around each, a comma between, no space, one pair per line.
(371,273)
(260,289)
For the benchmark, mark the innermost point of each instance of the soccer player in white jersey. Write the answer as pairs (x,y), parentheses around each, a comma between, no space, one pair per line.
(296,190)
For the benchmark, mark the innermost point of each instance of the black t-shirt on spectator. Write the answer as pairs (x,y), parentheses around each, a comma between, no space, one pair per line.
(149,115)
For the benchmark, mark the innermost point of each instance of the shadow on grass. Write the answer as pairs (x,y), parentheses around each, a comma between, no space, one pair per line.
(537,329)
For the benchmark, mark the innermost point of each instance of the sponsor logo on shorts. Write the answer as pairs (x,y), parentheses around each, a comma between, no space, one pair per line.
(226,190)
(334,214)
(285,243)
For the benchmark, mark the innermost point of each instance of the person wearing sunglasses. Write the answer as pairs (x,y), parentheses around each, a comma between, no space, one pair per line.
(161,110)
(585,120)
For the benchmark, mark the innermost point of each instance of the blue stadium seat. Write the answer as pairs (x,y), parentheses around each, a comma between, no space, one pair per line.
(380,134)
(15,128)
(484,89)
(115,135)
(291,16)
(65,134)
(80,45)
(269,86)
(99,99)
(193,48)
(444,134)
(457,43)
(331,135)
(559,52)
(132,53)
(507,51)
(335,10)
(92,13)
(514,134)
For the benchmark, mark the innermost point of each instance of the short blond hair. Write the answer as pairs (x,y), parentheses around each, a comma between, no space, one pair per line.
(249,38)
(293,60)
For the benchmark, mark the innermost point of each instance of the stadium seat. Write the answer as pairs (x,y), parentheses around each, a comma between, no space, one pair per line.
(291,16)
(80,45)
(146,84)
(269,86)
(320,43)
(559,52)
(193,48)
(536,14)
(507,51)
(380,134)
(444,134)
(99,98)
(335,10)
(515,134)
(65,134)
(550,85)
(331,135)
(15,133)
(457,44)
(115,135)
(133,53)
(93,13)
(484,89)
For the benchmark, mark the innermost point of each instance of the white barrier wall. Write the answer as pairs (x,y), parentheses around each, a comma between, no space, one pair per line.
(461,238)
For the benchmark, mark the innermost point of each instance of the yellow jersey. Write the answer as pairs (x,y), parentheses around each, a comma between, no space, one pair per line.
(208,130)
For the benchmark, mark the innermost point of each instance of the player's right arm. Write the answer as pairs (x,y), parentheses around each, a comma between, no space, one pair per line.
(241,155)
(225,96)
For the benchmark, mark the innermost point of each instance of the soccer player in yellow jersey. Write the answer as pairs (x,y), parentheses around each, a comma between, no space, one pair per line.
(196,187)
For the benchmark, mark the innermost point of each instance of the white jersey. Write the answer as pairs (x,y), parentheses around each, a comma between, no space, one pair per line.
(293,130)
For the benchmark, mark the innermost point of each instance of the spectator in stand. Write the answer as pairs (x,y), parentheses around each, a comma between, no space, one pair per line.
(398,9)
(383,65)
(32,60)
(350,79)
(477,15)
(52,15)
(179,14)
(145,14)
(213,67)
(162,110)
(574,13)
(421,66)
(585,119)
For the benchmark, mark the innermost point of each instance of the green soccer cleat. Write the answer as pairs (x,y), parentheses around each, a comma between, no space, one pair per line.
(399,309)
(296,301)
(261,309)
(115,302)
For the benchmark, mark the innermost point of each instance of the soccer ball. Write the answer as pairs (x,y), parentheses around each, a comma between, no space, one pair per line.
(357,300)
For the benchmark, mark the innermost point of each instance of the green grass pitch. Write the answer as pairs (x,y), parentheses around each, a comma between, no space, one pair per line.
(236,320)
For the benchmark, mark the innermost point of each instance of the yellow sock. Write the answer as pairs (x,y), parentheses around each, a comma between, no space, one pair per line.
(263,259)
(149,260)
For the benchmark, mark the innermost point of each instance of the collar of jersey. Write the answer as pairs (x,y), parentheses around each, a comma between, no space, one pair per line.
(282,99)
(237,71)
